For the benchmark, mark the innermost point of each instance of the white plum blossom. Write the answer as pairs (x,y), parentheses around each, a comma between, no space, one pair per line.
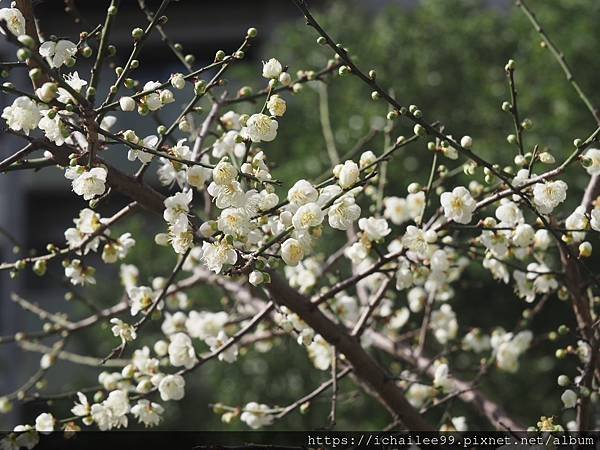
(122,330)
(509,214)
(260,128)
(272,68)
(23,115)
(44,423)
(217,254)
(197,176)
(149,142)
(416,204)
(88,183)
(230,354)
(347,174)
(458,205)
(112,412)
(592,158)
(417,394)
(58,53)
(301,193)
(171,387)
(320,352)
(141,298)
(256,415)
(523,235)
(276,106)
(78,274)
(549,195)
(343,213)
(181,351)
(444,324)
(307,216)
(374,229)
(509,347)
(205,324)
(416,241)
(441,380)
(15,22)
(127,104)
(396,210)
(595,221)
(577,221)
(177,209)
(54,129)
(147,412)
(234,221)
(292,252)
(569,399)
(77,83)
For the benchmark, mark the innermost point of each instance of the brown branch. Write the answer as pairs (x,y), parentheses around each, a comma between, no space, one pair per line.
(26,8)
(486,407)
(379,384)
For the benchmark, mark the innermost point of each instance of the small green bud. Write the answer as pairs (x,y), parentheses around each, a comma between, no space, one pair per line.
(510,65)
(561,353)
(135,64)
(137,33)
(372,74)
(39,267)
(563,329)
(189,58)
(321,40)
(511,139)
(375,95)
(419,130)
(506,107)
(344,70)
(392,115)
(26,40)
(219,56)
(161,129)
(200,87)
(577,143)
(527,124)
(563,380)
(23,54)
(252,32)
(111,50)
(86,51)
(129,83)
(112,11)
(35,74)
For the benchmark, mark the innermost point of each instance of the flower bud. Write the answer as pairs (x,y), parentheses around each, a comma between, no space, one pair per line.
(585,249)
(39,267)
(137,33)
(466,142)
(127,104)
(419,130)
(285,78)
(47,92)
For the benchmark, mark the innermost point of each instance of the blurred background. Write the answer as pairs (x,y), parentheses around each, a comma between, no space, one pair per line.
(447,56)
